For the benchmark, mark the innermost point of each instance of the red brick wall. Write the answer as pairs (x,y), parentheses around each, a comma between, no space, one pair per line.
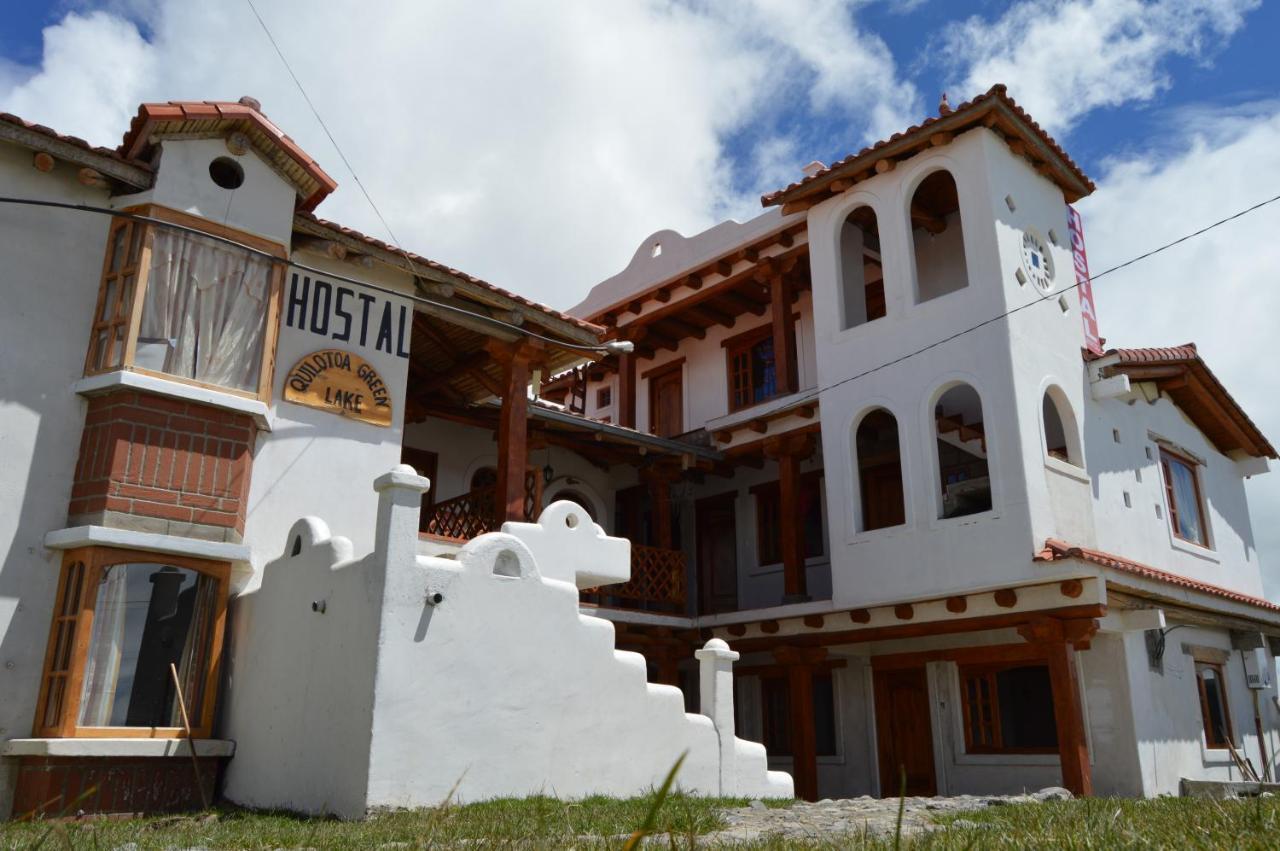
(63,786)
(152,456)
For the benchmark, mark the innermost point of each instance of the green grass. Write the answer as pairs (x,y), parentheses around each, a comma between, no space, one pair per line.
(605,822)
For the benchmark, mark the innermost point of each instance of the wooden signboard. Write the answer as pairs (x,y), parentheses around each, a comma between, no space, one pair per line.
(342,383)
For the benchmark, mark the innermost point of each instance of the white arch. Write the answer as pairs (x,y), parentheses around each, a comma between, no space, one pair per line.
(910,185)
(1051,389)
(946,383)
(563,483)
(856,514)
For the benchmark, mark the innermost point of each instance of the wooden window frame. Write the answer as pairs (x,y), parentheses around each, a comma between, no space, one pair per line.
(778,677)
(604,397)
(741,344)
(1210,739)
(1167,458)
(773,490)
(140,269)
(87,564)
(986,674)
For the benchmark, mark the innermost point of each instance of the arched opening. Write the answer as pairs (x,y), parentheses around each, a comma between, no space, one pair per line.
(964,480)
(579,499)
(861,272)
(880,471)
(484,477)
(1060,438)
(938,237)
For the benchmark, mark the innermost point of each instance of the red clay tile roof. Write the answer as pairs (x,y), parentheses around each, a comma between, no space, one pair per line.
(440,267)
(1075,183)
(10,118)
(221,116)
(1180,371)
(1055,550)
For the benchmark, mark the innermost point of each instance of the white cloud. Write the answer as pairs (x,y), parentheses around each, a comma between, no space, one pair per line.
(1064,59)
(1220,290)
(534,145)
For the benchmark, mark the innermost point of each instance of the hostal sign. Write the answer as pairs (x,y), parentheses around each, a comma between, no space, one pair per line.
(342,383)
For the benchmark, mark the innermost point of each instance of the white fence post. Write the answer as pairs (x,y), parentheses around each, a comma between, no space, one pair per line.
(399,508)
(715,671)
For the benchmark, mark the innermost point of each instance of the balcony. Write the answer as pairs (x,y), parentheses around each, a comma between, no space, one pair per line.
(659,579)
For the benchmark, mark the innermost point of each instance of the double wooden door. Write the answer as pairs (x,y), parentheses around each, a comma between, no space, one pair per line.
(904,732)
(717,554)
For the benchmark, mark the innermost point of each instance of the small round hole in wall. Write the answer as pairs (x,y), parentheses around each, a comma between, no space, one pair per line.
(226,172)
(571,520)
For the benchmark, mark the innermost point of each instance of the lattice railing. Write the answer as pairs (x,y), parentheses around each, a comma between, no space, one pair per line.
(464,517)
(657,583)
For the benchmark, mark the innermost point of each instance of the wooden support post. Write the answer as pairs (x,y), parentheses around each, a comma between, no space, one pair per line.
(627,390)
(790,450)
(786,374)
(800,663)
(1060,640)
(513,428)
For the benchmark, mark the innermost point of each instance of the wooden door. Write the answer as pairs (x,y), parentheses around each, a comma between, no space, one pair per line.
(427,464)
(666,403)
(904,732)
(717,554)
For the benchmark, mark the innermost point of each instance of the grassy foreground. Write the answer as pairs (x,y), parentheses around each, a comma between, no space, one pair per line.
(605,823)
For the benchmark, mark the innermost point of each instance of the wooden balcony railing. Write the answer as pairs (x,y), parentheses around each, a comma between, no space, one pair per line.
(658,583)
(464,517)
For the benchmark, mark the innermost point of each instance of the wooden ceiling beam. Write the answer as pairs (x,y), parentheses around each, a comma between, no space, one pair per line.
(708,314)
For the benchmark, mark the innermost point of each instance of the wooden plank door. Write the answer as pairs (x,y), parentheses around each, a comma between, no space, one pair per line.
(717,554)
(666,403)
(904,732)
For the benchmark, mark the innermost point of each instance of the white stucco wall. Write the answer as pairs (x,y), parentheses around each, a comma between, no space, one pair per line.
(50,263)
(498,686)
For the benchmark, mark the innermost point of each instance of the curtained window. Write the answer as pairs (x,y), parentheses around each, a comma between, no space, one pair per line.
(1182,491)
(185,305)
(146,618)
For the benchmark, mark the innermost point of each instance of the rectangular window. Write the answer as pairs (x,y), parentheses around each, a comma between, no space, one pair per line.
(751,370)
(768,525)
(186,306)
(775,699)
(1008,709)
(1182,492)
(1213,705)
(123,623)
(604,397)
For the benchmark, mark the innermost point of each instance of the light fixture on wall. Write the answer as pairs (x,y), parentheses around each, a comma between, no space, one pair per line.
(548,472)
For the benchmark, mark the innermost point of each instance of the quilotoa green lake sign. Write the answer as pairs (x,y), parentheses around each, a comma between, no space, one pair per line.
(341,383)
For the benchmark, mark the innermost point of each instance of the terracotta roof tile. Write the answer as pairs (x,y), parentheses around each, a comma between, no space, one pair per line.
(1223,407)
(9,118)
(457,273)
(1056,550)
(997,93)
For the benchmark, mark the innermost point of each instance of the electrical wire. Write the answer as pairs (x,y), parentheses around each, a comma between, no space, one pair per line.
(274,258)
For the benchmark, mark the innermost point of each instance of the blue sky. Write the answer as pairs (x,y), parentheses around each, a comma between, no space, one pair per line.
(537,144)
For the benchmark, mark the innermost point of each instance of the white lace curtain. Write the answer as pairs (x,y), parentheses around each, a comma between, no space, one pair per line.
(102,667)
(205,312)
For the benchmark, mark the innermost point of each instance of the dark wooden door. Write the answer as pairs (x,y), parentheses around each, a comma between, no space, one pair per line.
(717,554)
(666,403)
(882,497)
(426,463)
(904,733)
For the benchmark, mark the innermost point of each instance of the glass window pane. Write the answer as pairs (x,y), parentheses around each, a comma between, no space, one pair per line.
(205,312)
(1026,708)
(1215,704)
(763,380)
(146,617)
(118,237)
(108,300)
(1184,494)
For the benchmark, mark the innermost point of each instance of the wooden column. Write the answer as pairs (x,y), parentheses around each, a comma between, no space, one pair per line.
(627,390)
(790,450)
(800,663)
(1060,639)
(786,373)
(513,427)
(659,479)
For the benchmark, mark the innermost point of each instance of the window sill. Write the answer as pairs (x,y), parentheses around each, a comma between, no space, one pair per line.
(964,519)
(104,536)
(997,759)
(95,384)
(1067,469)
(868,535)
(1196,550)
(1215,756)
(130,747)
(777,567)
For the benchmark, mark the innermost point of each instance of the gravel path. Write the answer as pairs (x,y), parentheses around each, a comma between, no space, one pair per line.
(827,820)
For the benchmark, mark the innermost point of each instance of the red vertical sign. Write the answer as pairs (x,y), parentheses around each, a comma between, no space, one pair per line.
(1080,260)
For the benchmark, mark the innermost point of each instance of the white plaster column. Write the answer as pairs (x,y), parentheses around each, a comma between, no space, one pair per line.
(399,508)
(715,672)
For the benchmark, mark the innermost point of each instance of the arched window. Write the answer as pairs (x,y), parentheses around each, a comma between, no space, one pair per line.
(880,471)
(1060,438)
(965,484)
(938,237)
(861,274)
